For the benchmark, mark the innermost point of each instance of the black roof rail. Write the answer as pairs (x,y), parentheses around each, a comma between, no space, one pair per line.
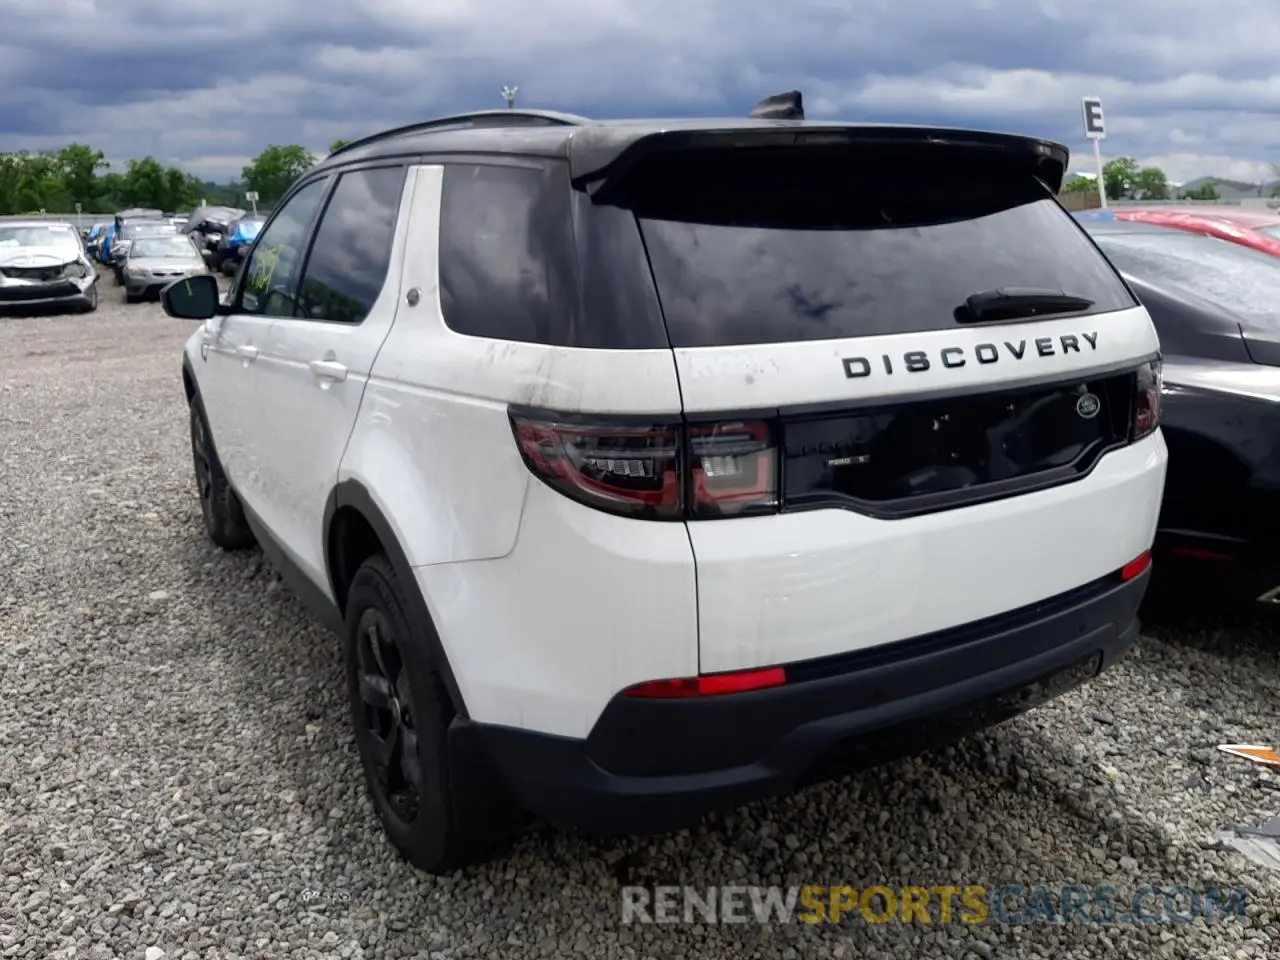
(476,118)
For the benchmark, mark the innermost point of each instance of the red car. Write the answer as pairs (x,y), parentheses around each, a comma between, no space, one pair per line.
(1259,229)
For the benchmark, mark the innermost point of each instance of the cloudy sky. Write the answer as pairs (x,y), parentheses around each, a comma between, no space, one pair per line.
(1190,85)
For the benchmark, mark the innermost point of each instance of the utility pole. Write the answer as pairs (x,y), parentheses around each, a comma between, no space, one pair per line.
(509,95)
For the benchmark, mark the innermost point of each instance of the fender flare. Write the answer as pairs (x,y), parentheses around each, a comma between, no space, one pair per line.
(189,374)
(352,494)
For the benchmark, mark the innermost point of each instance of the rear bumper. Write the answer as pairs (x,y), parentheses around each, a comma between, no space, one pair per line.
(655,765)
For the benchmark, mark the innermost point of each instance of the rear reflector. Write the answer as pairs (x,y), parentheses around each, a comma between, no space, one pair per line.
(1135,567)
(708,685)
(1199,554)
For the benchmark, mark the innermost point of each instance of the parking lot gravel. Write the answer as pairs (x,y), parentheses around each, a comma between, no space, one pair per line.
(177,777)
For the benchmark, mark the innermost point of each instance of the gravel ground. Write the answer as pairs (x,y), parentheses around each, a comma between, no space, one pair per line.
(177,773)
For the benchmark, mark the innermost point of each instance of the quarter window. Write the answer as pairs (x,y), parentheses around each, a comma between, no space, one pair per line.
(506,253)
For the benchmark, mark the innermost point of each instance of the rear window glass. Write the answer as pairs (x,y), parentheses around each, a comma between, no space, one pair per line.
(1233,276)
(772,247)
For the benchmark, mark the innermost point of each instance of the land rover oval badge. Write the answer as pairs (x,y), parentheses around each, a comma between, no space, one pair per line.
(1088,406)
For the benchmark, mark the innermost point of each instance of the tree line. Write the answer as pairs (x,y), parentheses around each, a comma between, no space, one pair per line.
(55,181)
(1125,179)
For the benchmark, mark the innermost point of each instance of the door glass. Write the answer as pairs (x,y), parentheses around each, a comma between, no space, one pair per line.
(352,250)
(270,276)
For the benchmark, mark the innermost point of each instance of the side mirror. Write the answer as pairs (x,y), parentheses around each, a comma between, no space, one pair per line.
(191,298)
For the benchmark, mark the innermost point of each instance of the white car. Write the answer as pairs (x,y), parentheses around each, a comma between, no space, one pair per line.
(44,264)
(649,468)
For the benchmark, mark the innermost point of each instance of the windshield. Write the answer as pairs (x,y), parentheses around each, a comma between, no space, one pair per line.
(1271,231)
(53,235)
(167,247)
(1236,277)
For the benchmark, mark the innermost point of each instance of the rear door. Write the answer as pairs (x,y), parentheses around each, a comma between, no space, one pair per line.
(823,301)
(314,364)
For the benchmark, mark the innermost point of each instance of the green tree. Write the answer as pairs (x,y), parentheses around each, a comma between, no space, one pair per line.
(1118,177)
(78,166)
(1206,191)
(181,190)
(338,145)
(1151,184)
(145,183)
(55,181)
(1125,180)
(111,193)
(1079,184)
(275,169)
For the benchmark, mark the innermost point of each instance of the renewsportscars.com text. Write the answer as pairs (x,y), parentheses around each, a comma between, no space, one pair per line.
(942,903)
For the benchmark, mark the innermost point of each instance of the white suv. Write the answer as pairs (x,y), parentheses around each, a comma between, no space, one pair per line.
(648,468)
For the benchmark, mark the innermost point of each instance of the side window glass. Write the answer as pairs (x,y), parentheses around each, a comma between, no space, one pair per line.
(506,267)
(271,273)
(352,250)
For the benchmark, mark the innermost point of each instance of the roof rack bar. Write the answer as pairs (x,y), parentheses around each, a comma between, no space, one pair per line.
(475,118)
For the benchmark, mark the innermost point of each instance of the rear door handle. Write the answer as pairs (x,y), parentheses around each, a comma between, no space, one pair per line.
(329,370)
(247,352)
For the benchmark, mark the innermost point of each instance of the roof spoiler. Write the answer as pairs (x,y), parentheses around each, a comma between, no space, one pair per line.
(601,155)
(780,106)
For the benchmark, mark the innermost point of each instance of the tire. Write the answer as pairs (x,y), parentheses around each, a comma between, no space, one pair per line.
(118,274)
(92,298)
(131,298)
(422,823)
(224,519)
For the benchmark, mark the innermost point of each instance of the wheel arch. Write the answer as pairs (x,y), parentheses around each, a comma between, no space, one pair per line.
(354,529)
(188,378)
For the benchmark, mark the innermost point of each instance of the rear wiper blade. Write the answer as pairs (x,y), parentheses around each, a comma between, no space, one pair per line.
(1011,303)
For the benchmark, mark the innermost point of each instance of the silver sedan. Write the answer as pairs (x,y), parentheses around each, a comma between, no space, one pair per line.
(155,262)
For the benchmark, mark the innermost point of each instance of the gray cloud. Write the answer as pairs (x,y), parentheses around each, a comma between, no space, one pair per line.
(1193,85)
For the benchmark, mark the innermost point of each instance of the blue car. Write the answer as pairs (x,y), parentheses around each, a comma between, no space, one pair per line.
(93,239)
(235,243)
(104,248)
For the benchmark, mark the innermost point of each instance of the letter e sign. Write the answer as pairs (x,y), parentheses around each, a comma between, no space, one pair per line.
(1095,127)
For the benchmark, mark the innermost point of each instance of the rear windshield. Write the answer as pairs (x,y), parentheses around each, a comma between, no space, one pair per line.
(772,248)
(147,228)
(1242,280)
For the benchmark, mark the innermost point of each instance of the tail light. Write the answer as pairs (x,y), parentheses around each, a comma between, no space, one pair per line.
(733,467)
(664,471)
(1146,401)
(631,470)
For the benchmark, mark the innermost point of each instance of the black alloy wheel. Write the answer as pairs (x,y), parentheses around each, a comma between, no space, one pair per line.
(200,454)
(390,720)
